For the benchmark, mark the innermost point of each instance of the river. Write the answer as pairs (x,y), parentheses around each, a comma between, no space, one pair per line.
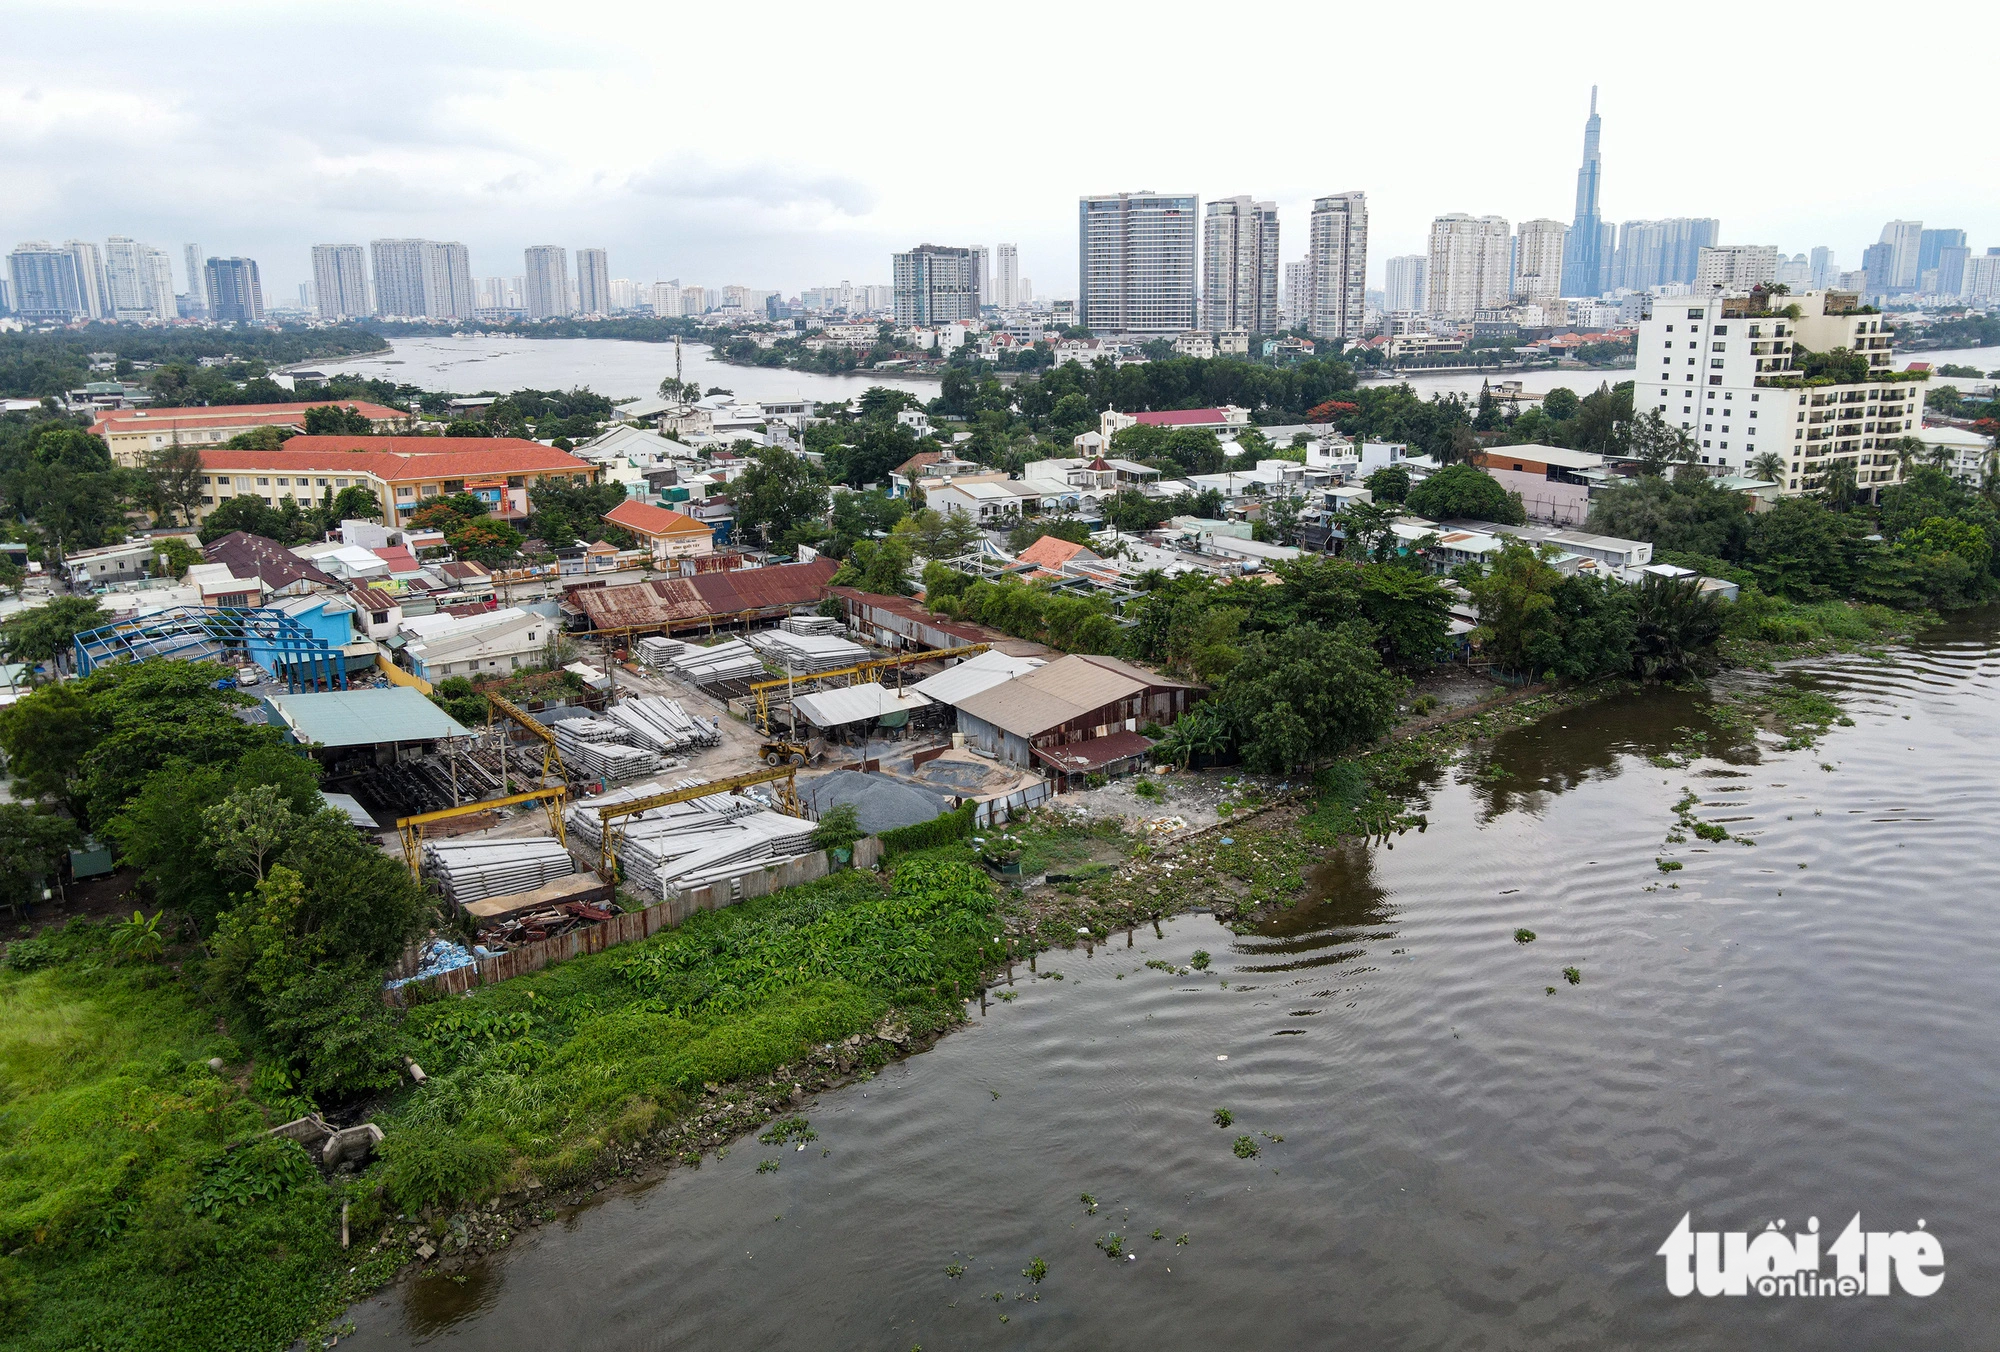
(616,367)
(1803,1028)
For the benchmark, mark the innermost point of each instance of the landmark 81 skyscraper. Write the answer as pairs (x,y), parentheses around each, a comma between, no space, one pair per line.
(1587,252)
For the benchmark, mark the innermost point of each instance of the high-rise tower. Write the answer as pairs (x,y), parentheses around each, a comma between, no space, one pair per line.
(1585,251)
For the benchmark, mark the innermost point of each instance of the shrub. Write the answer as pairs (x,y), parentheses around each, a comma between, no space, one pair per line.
(953,825)
(430,1165)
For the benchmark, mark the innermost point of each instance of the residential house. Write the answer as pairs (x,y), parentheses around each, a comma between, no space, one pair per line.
(1039,718)
(666,534)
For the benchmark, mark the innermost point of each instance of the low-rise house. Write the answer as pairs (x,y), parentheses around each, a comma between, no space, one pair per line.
(107,564)
(986,498)
(217,585)
(665,534)
(1553,481)
(497,646)
(1030,720)
(1111,422)
(282,572)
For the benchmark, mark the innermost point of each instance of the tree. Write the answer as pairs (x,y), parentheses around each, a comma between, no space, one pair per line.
(1693,515)
(1281,519)
(1391,483)
(1841,366)
(247,826)
(354,503)
(1367,528)
(1300,696)
(1840,485)
(1795,551)
(1461,491)
(839,827)
(1517,611)
(1132,511)
(562,512)
(939,535)
(45,632)
(878,566)
(266,438)
(1769,465)
(334,420)
(1657,444)
(484,541)
(778,492)
(32,846)
(251,515)
(1676,623)
(177,480)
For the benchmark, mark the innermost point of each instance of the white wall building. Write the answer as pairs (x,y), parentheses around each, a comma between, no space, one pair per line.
(1007,276)
(593,282)
(1730,379)
(1467,269)
(1239,266)
(1337,272)
(1735,267)
(1538,256)
(547,282)
(1137,262)
(340,280)
(1405,278)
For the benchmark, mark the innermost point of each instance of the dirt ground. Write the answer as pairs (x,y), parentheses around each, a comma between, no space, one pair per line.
(1186,801)
(106,898)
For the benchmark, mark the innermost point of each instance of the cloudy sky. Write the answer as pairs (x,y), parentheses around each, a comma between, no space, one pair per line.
(785,145)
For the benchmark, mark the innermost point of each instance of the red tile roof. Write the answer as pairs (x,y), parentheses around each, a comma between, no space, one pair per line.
(1051,552)
(399,458)
(233,415)
(921,460)
(1185,417)
(646,519)
(399,559)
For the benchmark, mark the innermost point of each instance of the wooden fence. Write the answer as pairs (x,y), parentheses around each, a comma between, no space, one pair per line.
(633,925)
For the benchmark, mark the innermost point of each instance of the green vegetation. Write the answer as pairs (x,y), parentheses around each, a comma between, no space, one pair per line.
(1245,1147)
(1524,936)
(1463,492)
(48,363)
(1223,1117)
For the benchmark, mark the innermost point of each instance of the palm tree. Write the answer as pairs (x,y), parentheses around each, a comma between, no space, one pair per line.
(1676,622)
(1770,465)
(1840,486)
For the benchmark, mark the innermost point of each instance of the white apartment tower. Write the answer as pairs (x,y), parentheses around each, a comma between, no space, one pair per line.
(1007,276)
(665,299)
(1337,252)
(1538,258)
(139,280)
(1403,278)
(1467,267)
(1735,267)
(1298,291)
(340,280)
(1239,266)
(199,301)
(94,290)
(593,282)
(1728,374)
(1137,262)
(547,282)
(1905,241)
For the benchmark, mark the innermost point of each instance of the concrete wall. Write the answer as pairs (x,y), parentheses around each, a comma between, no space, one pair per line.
(1548,502)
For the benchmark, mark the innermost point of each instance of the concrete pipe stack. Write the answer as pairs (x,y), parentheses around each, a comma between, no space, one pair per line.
(731,661)
(600,749)
(469,871)
(681,845)
(806,654)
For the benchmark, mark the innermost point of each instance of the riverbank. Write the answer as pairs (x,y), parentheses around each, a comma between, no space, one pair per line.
(610,1069)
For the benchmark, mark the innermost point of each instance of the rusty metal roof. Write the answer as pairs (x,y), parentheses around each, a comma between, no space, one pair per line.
(680,600)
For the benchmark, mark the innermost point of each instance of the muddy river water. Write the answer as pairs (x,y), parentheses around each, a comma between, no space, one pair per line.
(1806,1027)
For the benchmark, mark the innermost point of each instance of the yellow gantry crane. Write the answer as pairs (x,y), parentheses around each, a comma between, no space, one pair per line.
(411,829)
(859,674)
(788,801)
(508,710)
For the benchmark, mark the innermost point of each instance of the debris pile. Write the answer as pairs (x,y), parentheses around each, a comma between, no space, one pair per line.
(691,844)
(552,922)
(469,871)
(436,958)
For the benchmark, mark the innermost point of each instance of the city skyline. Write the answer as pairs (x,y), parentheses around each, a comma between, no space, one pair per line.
(513,130)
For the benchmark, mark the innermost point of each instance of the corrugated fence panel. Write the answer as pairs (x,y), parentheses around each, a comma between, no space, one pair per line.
(629,927)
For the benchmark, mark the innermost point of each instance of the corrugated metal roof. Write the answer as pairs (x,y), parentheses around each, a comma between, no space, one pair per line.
(855,704)
(399,713)
(1064,690)
(1094,753)
(676,600)
(958,683)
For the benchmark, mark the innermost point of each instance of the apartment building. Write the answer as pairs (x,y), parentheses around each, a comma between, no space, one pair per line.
(1468,267)
(1239,266)
(1137,263)
(1735,267)
(936,284)
(134,434)
(1337,266)
(1538,260)
(340,281)
(403,473)
(1728,374)
(1405,279)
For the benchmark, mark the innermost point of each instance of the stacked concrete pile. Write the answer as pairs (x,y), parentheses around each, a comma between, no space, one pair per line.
(600,748)
(811,624)
(734,660)
(804,654)
(662,724)
(682,845)
(469,871)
